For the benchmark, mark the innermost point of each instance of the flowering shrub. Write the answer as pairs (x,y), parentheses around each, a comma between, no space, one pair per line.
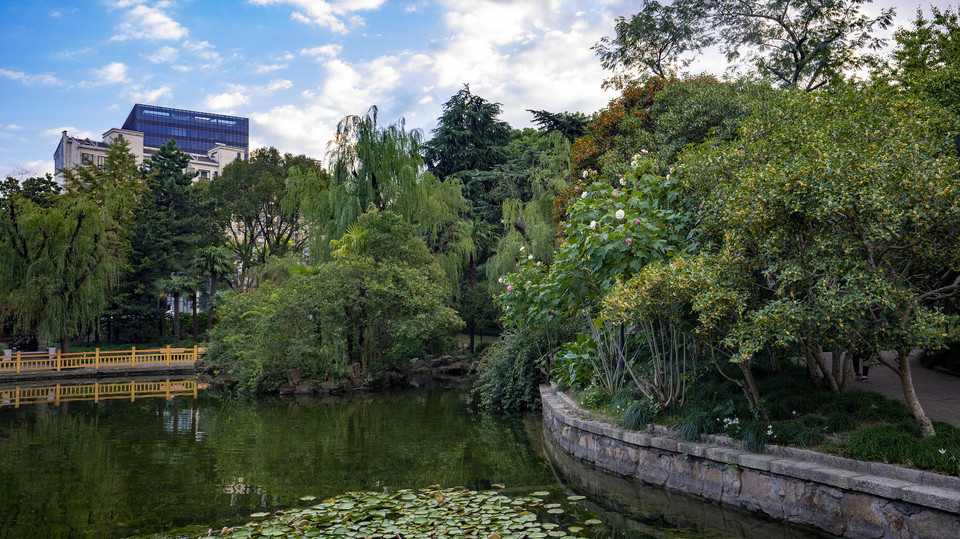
(614,229)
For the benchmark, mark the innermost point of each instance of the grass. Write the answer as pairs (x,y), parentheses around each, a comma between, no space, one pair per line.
(855,424)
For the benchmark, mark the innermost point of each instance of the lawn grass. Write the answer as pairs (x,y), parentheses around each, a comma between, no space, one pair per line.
(856,424)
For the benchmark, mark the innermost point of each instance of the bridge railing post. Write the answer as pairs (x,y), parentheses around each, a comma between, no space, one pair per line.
(168,354)
(18,362)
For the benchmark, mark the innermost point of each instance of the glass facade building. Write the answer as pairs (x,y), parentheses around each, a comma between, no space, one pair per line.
(195,132)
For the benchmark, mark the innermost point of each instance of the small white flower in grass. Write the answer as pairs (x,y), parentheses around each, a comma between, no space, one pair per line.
(529,257)
(586,173)
(943,451)
(623,181)
(769,430)
(620,214)
(593,224)
(522,248)
(584,195)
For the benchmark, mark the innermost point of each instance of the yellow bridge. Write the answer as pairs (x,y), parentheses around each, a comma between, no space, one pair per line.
(56,394)
(39,362)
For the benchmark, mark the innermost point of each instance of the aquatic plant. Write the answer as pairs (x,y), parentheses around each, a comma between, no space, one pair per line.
(429,512)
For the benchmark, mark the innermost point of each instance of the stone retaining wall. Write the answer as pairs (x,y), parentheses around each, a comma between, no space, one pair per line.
(839,496)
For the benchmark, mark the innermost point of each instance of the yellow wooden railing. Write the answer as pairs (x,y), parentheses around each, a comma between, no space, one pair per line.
(15,396)
(42,361)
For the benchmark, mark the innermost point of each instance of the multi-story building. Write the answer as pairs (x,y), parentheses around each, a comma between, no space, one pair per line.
(212,140)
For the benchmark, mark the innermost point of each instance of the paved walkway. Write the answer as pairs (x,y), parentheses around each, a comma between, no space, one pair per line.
(939,392)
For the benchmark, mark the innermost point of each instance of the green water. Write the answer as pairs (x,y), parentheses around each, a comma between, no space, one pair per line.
(178,467)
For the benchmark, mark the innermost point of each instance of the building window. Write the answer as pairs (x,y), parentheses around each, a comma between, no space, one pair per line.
(239,155)
(120,136)
(86,158)
(216,174)
(203,174)
(102,161)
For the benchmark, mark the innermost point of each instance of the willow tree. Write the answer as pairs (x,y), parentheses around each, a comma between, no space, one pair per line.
(381,168)
(60,255)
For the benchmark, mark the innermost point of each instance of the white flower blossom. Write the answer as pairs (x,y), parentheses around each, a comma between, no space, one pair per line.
(620,214)
(529,257)
(521,248)
(584,195)
(623,181)
(593,224)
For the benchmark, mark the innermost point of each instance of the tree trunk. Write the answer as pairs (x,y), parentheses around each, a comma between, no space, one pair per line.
(473,329)
(213,291)
(176,319)
(909,393)
(196,334)
(65,344)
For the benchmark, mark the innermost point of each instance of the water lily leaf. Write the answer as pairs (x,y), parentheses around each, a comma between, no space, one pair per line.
(575,529)
(259,515)
(541,493)
(576,498)
(555,511)
(592,522)
(307,498)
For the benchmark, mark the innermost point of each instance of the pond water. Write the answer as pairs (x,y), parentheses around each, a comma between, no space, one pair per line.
(180,466)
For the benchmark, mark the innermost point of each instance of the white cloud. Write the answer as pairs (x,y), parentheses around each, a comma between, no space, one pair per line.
(13,127)
(112,73)
(54,133)
(323,52)
(228,101)
(280,84)
(146,22)
(263,69)
(139,94)
(164,55)
(326,14)
(73,54)
(46,79)
(27,169)
(203,51)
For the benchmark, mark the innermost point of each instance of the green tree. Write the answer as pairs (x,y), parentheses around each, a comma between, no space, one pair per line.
(255,213)
(926,59)
(380,168)
(805,45)
(653,41)
(214,263)
(176,286)
(377,304)
(60,258)
(468,136)
(835,217)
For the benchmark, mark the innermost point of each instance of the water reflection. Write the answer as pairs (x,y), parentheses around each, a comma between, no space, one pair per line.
(17,395)
(636,510)
(119,468)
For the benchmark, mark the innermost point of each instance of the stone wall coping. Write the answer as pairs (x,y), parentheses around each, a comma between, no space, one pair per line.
(919,487)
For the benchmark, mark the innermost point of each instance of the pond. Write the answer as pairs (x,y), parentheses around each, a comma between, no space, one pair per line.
(178,467)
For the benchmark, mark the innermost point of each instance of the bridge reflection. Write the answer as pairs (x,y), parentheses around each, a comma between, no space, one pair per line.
(17,395)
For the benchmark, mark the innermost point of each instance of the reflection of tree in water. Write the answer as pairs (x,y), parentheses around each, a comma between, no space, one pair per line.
(50,471)
(122,468)
(387,441)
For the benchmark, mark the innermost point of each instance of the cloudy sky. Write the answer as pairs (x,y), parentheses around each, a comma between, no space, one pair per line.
(294,67)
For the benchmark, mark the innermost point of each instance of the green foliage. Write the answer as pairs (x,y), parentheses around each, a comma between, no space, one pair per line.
(255,213)
(612,232)
(377,307)
(468,136)
(926,59)
(430,512)
(62,253)
(380,168)
(801,45)
(513,368)
(900,443)
(653,41)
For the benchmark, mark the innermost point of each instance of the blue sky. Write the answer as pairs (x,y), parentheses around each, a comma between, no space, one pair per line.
(294,67)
